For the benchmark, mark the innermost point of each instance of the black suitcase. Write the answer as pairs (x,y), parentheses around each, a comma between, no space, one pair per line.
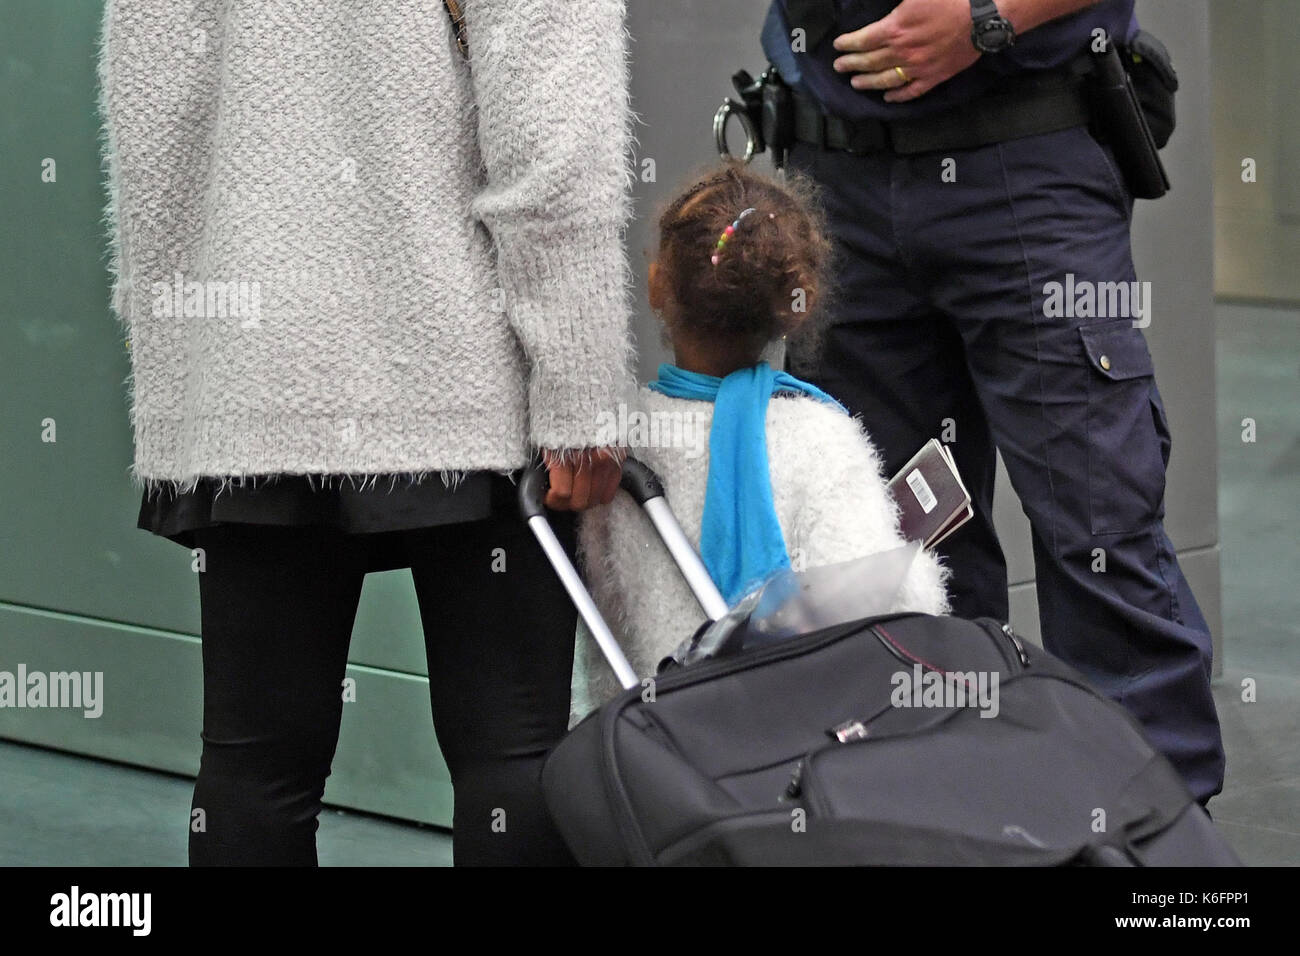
(824,749)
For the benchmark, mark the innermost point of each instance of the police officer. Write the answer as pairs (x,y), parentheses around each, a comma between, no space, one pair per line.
(977,219)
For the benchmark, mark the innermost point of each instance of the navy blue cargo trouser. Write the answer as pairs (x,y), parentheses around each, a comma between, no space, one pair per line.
(940,326)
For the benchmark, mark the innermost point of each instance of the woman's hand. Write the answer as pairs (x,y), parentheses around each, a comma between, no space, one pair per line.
(583,478)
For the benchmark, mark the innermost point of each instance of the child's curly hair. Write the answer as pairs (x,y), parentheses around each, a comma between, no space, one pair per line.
(769,274)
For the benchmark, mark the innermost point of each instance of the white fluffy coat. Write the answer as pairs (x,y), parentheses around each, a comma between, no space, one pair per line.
(831,500)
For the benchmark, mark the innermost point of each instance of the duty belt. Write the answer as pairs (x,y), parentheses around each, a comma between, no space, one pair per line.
(1057,103)
(1093,89)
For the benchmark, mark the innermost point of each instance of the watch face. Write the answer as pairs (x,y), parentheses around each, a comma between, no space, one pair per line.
(993,35)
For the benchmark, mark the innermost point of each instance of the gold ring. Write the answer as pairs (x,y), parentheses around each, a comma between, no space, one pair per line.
(902,76)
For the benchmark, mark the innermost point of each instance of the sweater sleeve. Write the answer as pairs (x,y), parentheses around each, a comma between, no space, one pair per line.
(554,127)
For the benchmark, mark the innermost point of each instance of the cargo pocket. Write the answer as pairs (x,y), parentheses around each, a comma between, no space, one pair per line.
(1126,448)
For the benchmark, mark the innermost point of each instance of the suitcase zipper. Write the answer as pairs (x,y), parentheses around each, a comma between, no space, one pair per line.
(707,670)
(1021,656)
(794,789)
(1016,658)
(633,839)
(806,783)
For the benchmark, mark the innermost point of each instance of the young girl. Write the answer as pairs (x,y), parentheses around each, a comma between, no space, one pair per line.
(786,472)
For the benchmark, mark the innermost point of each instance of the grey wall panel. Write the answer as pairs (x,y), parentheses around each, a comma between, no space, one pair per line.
(1256,95)
(152,688)
(1013,530)
(683,56)
(67,510)
(1173,245)
(387,760)
(387,633)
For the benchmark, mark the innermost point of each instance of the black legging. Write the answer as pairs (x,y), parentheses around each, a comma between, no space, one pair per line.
(278,606)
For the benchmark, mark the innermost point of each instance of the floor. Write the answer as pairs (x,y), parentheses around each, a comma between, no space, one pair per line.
(139,816)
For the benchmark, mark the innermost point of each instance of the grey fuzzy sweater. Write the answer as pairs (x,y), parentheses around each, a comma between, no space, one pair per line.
(339,248)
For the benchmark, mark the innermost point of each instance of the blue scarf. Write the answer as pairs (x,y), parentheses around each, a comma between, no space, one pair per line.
(740,539)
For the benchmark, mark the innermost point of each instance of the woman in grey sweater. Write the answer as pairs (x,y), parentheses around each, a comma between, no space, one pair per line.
(364,278)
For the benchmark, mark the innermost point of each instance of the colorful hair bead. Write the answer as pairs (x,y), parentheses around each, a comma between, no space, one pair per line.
(727,234)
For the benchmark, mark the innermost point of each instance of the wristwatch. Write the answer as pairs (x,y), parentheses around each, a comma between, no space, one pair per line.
(991,32)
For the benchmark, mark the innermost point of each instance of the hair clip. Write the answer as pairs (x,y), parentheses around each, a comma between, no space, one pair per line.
(728,233)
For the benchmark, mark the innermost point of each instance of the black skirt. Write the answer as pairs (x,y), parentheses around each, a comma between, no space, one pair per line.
(383,504)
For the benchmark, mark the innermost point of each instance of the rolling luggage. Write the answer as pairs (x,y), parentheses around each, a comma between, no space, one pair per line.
(902,739)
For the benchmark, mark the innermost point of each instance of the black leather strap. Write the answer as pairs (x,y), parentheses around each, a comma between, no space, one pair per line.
(1031,109)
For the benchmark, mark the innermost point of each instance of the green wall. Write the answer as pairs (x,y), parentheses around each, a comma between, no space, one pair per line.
(80,587)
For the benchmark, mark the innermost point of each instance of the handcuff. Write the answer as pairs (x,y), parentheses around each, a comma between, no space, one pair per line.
(765,112)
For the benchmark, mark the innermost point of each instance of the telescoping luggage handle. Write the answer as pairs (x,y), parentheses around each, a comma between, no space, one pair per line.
(643,485)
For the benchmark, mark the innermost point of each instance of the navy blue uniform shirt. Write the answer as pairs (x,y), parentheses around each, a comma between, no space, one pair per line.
(1051,44)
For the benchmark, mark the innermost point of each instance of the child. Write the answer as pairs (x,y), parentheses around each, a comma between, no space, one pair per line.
(740,265)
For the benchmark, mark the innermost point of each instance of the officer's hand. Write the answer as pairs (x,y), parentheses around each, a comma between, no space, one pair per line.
(929,39)
(582,479)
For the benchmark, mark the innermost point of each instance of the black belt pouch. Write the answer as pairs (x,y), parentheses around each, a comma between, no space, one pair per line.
(1119,120)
